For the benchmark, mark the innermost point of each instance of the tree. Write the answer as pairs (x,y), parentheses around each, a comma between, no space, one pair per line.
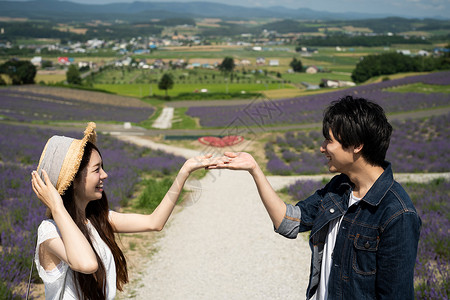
(227,65)
(166,82)
(73,75)
(20,71)
(296,65)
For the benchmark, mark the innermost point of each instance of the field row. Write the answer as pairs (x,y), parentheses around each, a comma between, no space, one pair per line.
(308,109)
(417,146)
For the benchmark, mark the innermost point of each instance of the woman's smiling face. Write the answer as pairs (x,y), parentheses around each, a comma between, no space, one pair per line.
(90,185)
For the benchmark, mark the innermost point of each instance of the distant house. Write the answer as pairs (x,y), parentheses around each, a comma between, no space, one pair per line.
(423,53)
(310,86)
(64,60)
(245,62)
(158,64)
(180,63)
(336,83)
(330,83)
(260,61)
(127,61)
(312,70)
(274,62)
(36,61)
(404,52)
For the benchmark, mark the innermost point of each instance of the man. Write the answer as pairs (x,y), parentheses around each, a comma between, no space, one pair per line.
(364,227)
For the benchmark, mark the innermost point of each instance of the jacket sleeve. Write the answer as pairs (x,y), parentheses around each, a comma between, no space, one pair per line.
(290,225)
(300,217)
(396,257)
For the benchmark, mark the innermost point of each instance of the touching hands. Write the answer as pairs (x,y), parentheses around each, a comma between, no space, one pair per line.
(203,162)
(238,161)
(46,192)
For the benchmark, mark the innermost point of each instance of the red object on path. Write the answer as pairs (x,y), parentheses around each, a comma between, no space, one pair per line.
(214,141)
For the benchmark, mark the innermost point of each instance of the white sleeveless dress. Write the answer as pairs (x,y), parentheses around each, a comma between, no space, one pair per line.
(54,279)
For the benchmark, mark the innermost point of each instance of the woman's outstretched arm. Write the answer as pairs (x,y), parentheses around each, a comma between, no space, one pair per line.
(125,222)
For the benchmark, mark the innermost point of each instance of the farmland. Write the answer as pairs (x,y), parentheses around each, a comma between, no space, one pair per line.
(276,104)
(308,109)
(418,145)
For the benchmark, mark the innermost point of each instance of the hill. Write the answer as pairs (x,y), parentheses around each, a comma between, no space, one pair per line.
(63,11)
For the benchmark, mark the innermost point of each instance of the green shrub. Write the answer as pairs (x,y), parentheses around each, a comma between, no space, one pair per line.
(153,193)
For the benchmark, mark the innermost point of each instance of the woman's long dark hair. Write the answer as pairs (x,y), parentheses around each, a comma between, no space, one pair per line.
(93,286)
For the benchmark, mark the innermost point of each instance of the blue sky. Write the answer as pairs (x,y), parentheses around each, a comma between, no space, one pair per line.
(416,8)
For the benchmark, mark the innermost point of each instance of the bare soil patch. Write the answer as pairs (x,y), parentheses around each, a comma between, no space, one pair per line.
(87,96)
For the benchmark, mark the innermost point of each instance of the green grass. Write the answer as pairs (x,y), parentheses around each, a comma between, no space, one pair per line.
(186,122)
(149,122)
(154,191)
(421,88)
(143,90)
(219,53)
(315,78)
(180,119)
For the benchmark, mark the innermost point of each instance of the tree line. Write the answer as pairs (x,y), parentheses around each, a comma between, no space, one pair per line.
(392,63)
(343,40)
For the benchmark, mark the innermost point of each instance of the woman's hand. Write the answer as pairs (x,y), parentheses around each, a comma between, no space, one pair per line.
(239,161)
(46,192)
(73,247)
(203,162)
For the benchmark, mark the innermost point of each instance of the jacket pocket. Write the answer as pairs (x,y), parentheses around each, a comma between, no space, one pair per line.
(364,260)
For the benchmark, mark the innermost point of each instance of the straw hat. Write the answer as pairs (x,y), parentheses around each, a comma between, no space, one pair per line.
(62,156)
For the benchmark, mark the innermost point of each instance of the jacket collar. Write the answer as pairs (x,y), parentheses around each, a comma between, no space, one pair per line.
(381,186)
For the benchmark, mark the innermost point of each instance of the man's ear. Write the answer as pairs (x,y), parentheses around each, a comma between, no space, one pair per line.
(357,149)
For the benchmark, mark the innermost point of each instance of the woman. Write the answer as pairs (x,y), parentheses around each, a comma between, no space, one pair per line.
(76,254)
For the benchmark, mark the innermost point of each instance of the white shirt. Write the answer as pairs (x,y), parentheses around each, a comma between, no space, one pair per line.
(327,261)
(54,279)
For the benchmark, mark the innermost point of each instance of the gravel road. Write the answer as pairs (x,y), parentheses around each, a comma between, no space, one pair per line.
(221,245)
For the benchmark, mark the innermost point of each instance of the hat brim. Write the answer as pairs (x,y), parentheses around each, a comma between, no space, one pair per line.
(72,158)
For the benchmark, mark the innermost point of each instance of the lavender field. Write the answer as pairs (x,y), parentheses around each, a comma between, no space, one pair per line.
(308,109)
(417,146)
(21,213)
(24,106)
(432,273)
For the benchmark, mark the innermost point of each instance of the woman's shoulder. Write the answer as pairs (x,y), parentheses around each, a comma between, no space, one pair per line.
(48,224)
(48,229)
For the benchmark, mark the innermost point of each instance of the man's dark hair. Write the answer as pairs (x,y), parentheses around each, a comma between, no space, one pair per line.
(357,121)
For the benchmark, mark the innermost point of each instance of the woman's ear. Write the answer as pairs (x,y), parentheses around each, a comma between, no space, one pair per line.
(357,149)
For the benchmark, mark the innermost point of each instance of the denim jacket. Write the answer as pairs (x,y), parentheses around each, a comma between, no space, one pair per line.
(376,246)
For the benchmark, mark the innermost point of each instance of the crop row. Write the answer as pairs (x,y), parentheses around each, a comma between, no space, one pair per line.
(27,107)
(21,213)
(308,109)
(432,273)
(416,146)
